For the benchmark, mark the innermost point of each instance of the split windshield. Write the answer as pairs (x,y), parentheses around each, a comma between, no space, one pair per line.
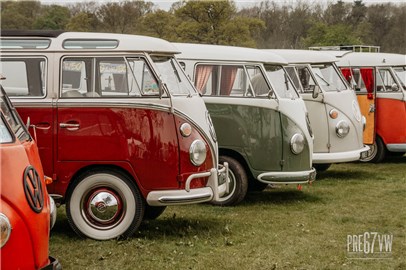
(173,75)
(328,77)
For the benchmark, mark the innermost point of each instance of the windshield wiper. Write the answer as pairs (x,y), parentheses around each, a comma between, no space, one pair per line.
(328,84)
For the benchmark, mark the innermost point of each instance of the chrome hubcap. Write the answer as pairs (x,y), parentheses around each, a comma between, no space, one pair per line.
(103,207)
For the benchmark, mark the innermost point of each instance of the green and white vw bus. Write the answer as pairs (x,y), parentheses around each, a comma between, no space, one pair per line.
(333,108)
(260,120)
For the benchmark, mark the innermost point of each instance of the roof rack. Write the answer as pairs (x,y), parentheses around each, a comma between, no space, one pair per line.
(353,48)
(31,33)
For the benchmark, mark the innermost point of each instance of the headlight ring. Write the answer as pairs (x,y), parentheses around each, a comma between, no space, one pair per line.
(297,143)
(342,129)
(5,229)
(197,152)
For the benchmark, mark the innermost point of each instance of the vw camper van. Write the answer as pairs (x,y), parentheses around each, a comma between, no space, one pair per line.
(335,116)
(27,212)
(120,127)
(260,120)
(379,81)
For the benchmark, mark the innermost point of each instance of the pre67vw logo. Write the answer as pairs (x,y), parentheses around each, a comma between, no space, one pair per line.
(369,244)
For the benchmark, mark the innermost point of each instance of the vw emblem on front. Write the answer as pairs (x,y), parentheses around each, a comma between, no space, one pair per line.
(33,189)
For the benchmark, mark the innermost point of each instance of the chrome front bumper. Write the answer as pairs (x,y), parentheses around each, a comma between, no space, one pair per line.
(323,158)
(300,177)
(212,192)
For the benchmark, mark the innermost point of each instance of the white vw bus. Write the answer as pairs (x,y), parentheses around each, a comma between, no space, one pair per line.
(379,80)
(334,112)
(260,120)
(120,127)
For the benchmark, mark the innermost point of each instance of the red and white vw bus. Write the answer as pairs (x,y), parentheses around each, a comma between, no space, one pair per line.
(379,81)
(120,127)
(27,213)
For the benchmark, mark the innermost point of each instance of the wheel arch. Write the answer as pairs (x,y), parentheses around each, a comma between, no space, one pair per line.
(240,158)
(97,167)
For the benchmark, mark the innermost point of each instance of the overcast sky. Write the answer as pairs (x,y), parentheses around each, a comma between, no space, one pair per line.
(166,4)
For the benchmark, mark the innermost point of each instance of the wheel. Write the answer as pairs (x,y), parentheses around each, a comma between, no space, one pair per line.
(238,183)
(103,205)
(376,152)
(153,212)
(255,185)
(322,167)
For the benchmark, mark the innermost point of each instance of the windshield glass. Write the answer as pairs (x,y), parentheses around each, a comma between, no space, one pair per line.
(401,74)
(173,76)
(281,82)
(328,77)
(12,117)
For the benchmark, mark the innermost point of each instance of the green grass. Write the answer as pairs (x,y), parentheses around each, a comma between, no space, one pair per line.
(280,228)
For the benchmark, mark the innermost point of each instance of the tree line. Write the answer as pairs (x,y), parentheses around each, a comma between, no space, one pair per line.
(269,24)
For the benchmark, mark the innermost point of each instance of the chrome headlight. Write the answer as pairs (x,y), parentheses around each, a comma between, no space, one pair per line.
(297,143)
(197,152)
(364,122)
(211,127)
(5,229)
(52,207)
(342,128)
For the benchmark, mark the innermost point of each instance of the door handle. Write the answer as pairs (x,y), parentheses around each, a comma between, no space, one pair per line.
(371,108)
(43,125)
(69,126)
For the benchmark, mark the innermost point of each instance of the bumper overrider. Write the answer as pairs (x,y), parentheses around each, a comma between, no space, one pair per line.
(212,192)
(322,158)
(300,177)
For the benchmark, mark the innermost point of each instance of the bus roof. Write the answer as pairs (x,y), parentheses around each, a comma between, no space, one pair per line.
(226,53)
(82,41)
(371,59)
(303,56)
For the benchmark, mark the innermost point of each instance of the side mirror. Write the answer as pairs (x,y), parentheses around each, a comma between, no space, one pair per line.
(395,87)
(270,93)
(316,91)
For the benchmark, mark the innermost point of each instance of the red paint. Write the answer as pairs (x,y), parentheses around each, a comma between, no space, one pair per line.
(145,143)
(390,120)
(30,230)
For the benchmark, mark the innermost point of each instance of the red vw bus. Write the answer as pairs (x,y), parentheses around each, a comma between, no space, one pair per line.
(120,127)
(26,210)
(379,80)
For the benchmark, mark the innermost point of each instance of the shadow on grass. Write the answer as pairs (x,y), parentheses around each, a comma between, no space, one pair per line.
(278,196)
(180,227)
(395,159)
(344,175)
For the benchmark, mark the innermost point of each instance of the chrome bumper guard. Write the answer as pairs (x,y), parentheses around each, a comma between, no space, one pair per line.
(212,192)
(301,177)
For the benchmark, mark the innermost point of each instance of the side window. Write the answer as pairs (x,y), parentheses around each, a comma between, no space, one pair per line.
(23,77)
(306,79)
(76,77)
(294,76)
(258,81)
(385,81)
(107,77)
(143,81)
(221,80)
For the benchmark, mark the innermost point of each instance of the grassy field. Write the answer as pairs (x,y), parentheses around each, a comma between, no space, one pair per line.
(279,228)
